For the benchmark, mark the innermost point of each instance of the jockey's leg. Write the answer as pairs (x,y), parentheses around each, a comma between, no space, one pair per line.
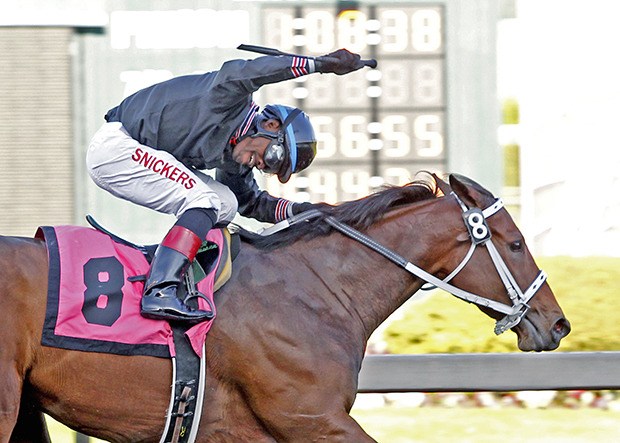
(170,263)
(155,179)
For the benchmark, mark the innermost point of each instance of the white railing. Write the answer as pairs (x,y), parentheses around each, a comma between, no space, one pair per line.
(490,372)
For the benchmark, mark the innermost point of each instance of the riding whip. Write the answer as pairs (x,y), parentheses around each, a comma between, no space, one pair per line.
(372,63)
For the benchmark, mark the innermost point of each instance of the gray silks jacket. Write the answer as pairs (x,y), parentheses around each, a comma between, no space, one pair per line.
(194,117)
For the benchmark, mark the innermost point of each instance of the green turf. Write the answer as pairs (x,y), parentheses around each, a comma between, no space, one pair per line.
(61,434)
(478,425)
(470,425)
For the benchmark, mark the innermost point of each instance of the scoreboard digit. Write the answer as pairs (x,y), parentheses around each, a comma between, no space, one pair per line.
(373,126)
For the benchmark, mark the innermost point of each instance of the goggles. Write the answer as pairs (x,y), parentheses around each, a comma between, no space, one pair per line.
(274,157)
(280,156)
(275,153)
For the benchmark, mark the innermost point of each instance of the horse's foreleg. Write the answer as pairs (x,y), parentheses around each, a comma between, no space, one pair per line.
(340,427)
(30,426)
(10,393)
(332,427)
(346,429)
(304,412)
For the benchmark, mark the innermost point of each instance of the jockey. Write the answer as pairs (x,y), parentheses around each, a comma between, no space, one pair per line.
(154,144)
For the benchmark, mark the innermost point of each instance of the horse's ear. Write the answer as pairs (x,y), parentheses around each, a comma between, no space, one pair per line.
(443,186)
(472,194)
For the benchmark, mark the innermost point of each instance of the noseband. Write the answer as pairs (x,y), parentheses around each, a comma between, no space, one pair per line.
(480,234)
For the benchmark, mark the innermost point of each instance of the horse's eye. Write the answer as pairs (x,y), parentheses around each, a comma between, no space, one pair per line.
(516,246)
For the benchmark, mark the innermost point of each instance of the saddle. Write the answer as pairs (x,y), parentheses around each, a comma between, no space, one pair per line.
(206,256)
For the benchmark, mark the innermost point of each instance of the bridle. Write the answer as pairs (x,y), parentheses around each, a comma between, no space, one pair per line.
(480,234)
(475,220)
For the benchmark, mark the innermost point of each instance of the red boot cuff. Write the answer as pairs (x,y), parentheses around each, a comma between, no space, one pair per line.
(182,240)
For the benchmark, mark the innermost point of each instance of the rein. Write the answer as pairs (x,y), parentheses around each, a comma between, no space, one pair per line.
(480,234)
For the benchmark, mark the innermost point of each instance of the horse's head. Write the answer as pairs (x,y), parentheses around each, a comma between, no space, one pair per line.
(502,271)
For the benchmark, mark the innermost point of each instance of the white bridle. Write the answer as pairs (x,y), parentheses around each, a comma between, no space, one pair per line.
(480,234)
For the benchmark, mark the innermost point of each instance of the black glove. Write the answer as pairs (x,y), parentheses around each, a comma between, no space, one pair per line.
(339,62)
(298,208)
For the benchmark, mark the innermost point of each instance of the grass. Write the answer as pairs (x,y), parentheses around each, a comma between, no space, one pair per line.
(392,424)
(481,425)
(62,434)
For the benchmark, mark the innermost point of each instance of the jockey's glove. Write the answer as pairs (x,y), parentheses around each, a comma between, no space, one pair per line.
(339,62)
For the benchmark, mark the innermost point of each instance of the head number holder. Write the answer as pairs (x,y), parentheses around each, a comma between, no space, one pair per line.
(477,225)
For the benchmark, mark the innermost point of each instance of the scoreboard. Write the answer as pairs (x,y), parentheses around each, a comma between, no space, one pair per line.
(431,104)
(374,126)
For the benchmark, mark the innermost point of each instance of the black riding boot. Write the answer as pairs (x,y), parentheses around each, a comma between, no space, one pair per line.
(160,299)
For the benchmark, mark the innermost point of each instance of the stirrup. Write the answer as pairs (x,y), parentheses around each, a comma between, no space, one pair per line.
(193,292)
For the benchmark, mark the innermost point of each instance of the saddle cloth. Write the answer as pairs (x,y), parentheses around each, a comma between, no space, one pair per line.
(93,303)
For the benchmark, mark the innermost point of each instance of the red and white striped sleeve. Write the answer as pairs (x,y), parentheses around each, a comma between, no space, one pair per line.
(284,209)
(302,66)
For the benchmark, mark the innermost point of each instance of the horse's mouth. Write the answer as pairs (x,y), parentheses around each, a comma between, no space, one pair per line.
(531,338)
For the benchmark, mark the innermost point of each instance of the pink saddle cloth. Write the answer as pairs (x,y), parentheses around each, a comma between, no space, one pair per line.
(94,306)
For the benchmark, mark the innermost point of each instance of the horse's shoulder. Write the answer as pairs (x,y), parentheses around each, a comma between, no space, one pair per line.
(14,249)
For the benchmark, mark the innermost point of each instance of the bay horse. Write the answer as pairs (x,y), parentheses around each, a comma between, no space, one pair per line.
(284,353)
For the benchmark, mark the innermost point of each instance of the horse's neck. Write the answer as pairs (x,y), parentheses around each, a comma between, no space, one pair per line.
(380,286)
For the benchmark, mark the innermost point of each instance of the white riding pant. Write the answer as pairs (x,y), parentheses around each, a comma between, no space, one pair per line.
(152,178)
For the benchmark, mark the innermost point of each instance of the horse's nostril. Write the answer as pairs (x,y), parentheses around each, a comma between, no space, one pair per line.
(561,328)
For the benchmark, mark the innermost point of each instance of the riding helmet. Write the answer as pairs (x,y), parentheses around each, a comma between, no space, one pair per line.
(293,146)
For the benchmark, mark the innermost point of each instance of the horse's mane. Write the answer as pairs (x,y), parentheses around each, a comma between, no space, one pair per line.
(359,214)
